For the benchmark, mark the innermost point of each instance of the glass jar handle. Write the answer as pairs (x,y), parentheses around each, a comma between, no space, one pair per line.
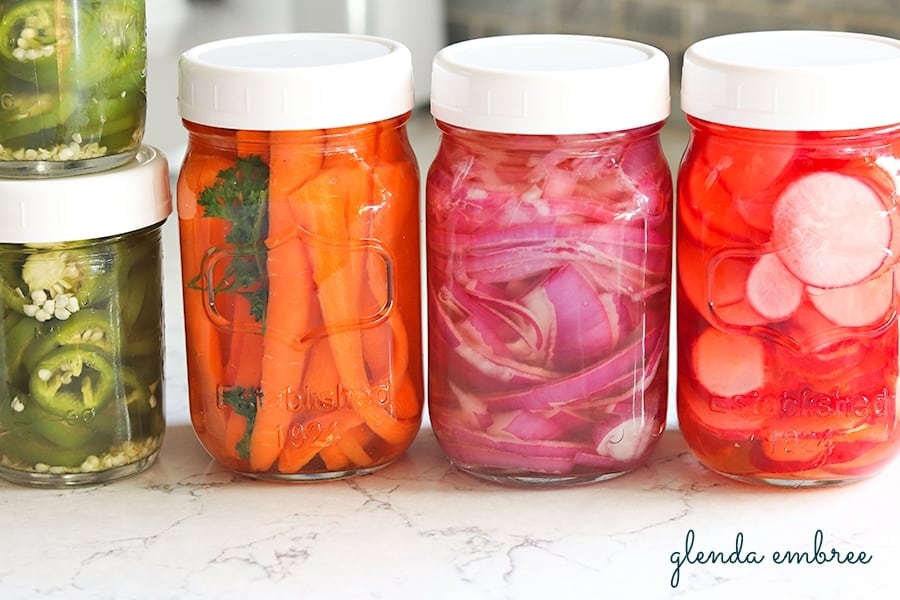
(215,286)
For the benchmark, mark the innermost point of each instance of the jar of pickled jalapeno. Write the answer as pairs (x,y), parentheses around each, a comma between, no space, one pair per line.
(788,242)
(81,348)
(548,241)
(298,213)
(72,85)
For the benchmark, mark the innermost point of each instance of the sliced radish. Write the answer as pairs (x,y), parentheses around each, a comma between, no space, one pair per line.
(831,230)
(729,418)
(706,209)
(728,365)
(784,452)
(772,290)
(751,160)
(756,209)
(866,303)
(722,292)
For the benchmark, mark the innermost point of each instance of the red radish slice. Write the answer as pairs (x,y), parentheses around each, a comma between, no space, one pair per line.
(866,303)
(707,212)
(831,230)
(751,160)
(772,290)
(780,452)
(756,209)
(728,365)
(725,294)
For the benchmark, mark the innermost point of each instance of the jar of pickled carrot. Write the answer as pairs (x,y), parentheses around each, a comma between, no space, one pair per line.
(788,238)
(81,324)
(548,227)
(298,214)
(72,85)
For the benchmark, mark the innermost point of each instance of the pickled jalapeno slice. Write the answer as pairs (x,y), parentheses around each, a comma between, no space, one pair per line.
(80,370)
(72,78)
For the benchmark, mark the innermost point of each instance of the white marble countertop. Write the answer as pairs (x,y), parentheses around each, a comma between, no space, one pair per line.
(186,528)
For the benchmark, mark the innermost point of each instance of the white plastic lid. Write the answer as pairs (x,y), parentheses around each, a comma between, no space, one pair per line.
(295,81)
(87,207)
(793,80)
(550,84)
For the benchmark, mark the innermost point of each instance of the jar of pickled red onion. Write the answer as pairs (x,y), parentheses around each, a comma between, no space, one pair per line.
(548,226)
(788,235)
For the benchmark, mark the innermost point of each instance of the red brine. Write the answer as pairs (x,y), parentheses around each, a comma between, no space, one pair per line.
(549,252)
(549,269)
(787,301)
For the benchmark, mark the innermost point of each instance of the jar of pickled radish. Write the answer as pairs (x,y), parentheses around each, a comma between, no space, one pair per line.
(298,213)
(81,348)
(788,238)
(72,85)
(548,227)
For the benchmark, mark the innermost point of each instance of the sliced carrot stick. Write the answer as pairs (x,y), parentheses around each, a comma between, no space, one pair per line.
(245,359)
(243,366)
(204,359)
(334,459)
(353,445)
(322,206)
(397,431)
(310,430)
(295,157)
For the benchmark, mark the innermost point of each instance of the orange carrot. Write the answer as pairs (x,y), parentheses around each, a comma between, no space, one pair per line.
(204,359)
(322,206)
(245,348)
(347,448)
(245,356)
(295,157)
(310,432)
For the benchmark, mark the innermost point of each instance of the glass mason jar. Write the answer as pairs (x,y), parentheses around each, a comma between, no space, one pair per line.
(548,228)
(787,256)
(81,350)
(299,215)
(72,85)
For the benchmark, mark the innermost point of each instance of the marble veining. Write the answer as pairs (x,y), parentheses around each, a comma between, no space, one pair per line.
(188,529)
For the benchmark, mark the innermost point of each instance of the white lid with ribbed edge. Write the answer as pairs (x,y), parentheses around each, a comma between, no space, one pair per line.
(296,81)
(87,207)
(793,80)
(550,84)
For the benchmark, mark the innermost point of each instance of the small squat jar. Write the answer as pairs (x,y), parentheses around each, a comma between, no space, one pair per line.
(81,353)
(548,231)
(788,238)
(72,85)
(298,216)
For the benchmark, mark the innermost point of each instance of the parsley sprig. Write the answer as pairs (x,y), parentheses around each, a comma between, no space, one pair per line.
(240,195)
(244,403)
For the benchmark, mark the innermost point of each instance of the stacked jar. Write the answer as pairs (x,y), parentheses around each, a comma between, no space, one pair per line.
(548,231)
(298,213)
(788,238)
(81,208)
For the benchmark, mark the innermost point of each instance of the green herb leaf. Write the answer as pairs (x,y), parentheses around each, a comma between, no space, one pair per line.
(240,195)
(244,403)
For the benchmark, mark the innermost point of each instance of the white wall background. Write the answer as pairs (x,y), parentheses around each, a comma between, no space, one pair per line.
(174,26)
